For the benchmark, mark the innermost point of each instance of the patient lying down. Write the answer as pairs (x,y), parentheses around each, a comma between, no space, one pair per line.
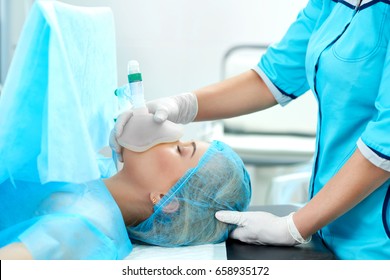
(166,196)
(177,188)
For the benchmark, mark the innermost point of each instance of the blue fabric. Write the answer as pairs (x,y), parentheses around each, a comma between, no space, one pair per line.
(185,215)
(63,220)
(344,57)
(57,100)
(56,112)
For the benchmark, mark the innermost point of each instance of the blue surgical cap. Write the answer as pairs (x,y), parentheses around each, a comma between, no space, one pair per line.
(185,215)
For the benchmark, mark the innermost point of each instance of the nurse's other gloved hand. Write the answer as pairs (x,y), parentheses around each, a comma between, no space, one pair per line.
(116,132)
(181,108)
(262,228)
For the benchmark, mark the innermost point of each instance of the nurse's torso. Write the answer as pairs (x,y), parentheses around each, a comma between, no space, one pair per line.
(344,65)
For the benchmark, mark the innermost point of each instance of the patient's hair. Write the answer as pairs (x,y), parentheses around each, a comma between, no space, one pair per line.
(185,215)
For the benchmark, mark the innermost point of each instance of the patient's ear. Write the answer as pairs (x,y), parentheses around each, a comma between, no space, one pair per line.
(170,207)
(155,197)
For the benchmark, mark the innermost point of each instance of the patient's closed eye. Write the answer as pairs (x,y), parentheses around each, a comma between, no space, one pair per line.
(187,149)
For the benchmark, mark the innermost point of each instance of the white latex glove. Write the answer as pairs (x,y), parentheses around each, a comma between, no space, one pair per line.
(116,132)
(181,108)
(262,228)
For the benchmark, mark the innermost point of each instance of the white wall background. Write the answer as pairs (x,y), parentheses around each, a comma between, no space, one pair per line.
(12,16)
(179,43)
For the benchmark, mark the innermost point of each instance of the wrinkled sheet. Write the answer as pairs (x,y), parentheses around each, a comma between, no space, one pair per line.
(57,106)
(200,252)
(56,111)
(63,220)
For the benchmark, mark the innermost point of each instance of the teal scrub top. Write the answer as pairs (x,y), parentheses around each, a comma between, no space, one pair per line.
(63,220)
(342,54)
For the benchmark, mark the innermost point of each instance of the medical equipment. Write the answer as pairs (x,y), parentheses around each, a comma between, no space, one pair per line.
(136,86)
(131,95)
(185,215)
(141,132)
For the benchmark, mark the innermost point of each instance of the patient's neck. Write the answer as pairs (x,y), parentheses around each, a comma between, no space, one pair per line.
(133,201)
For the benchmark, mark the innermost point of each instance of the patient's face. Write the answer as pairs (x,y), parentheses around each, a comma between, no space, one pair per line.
(160,167)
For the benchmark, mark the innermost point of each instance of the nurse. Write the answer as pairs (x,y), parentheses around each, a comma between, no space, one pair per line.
(340,51)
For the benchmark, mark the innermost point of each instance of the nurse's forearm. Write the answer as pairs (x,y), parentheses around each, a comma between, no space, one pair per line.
(355,181)
(242,94)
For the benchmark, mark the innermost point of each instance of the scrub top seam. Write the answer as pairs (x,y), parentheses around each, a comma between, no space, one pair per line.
(386,212)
